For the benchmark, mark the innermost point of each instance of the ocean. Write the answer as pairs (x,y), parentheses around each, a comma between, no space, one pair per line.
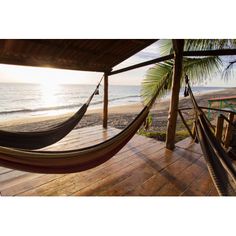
(30,100)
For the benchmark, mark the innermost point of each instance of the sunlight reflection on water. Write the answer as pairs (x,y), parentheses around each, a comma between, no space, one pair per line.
(48,94)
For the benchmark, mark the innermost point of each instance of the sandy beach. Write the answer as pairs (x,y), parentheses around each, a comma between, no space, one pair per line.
(119,117)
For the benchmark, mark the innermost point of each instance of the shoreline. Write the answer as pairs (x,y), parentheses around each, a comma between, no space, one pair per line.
(119,116)
(113,109)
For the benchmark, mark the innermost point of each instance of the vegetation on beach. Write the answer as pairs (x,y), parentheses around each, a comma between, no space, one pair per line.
(197,68)
(160,135)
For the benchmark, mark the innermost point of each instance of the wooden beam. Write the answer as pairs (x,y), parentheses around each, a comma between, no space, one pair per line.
(146,63)
(178,45)
(73,65)
(76,54)
(105,102)
(219,52)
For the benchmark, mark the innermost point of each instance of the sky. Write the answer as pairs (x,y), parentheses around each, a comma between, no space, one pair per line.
(27,74)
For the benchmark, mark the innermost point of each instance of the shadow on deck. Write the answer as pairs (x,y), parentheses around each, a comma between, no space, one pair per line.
(142,168)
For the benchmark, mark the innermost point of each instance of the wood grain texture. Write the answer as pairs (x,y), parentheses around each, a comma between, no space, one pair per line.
(75,54)
(178,45)
(144,167)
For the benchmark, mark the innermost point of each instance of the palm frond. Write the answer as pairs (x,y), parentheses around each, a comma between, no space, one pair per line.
(154,79)
(165,46)
(208,44)
(200,69)
(197,68)
(229,71)
(199,44)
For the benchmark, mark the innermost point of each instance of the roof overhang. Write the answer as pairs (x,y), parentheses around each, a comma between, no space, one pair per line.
(99,55)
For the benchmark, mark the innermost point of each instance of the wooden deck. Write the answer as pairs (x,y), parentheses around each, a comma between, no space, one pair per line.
(143,167)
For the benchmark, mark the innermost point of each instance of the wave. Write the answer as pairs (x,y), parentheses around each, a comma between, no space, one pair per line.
(63,107)
(116,99)
(41,109)
(120,98)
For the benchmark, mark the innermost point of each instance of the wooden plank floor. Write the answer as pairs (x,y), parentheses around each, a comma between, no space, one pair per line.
(142,168)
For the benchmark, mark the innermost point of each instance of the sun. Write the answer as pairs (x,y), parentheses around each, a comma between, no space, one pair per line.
(49,92)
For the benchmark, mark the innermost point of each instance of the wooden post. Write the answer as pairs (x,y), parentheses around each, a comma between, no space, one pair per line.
(228,133)
(178,45)
(219,127)
(105,102)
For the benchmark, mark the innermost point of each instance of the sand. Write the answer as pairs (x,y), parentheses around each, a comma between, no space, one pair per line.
(119,117)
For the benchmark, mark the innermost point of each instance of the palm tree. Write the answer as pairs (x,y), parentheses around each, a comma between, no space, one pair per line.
(198,68)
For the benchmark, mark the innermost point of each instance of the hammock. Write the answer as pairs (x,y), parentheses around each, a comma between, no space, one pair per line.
(220,165)
(40,139)
(73,160)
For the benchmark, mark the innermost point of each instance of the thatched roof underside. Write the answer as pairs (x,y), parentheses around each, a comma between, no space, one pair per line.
(76,54)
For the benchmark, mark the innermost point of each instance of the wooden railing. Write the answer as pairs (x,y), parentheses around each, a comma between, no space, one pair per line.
(223,131)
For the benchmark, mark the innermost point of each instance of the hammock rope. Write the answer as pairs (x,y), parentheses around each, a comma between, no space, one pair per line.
(41,139)
(220,165)
(73,160)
